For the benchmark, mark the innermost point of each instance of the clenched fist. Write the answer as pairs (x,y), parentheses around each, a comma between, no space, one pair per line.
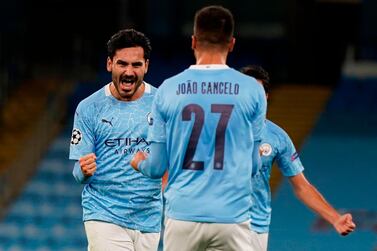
(344,225)
(88,164)
(138,157)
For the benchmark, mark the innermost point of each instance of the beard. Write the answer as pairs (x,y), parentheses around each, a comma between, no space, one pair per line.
(127,86)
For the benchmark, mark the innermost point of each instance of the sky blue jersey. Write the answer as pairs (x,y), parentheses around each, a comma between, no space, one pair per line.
(275,145)
(115,130)
(209,117)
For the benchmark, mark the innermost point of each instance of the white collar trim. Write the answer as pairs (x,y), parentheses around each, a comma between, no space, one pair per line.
(209,66)
(107,90)
(147,87)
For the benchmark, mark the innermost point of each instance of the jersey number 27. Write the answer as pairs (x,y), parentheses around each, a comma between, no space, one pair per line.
(225,111)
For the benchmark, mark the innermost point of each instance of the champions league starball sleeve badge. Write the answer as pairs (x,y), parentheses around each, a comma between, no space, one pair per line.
(76,136)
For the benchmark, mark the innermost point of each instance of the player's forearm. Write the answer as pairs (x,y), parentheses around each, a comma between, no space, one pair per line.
(156,163)
(310,196)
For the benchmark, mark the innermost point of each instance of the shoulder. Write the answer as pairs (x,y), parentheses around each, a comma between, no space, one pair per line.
(93,100)
(245,78)
(249,85)
(276,130)
(168,86)
(174,78)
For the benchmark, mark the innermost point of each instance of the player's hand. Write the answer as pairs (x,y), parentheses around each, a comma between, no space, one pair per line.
(344,225)
(88,164)
(138,157)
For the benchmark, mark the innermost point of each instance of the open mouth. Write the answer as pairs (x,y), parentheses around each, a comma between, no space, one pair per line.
(126,84)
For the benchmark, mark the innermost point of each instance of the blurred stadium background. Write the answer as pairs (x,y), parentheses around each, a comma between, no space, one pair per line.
(322,58)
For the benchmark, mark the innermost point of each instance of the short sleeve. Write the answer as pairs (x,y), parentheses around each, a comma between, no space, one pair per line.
(288,159)
(82,138)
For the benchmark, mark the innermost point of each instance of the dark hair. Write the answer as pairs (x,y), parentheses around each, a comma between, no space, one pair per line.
(258,73)
(128,38)
(214,25)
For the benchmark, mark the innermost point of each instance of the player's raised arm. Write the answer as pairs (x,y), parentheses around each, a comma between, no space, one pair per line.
(312,198)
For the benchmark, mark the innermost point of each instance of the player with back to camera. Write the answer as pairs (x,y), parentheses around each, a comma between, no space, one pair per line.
(277,146)
(121,207)
(207,123)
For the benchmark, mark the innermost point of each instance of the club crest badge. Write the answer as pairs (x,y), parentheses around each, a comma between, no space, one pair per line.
(265,149)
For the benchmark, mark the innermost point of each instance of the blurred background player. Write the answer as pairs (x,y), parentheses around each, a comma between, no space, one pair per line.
(121,207)
(277,145)
(207,123)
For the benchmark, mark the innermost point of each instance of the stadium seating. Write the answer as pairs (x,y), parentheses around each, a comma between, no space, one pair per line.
(47,215)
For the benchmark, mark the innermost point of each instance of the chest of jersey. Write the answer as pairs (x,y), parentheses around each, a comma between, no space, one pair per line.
(122,129)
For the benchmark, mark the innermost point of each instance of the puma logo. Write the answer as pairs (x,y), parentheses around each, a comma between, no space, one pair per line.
(107,121)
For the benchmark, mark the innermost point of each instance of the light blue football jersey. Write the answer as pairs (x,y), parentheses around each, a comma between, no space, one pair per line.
(208,116)
(275,145)
(115,130)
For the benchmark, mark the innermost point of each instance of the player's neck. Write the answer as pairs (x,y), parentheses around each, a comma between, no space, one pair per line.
(210,57)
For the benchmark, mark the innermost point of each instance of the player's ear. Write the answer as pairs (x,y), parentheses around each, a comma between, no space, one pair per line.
(231,44)
(109,64)
(146,65)
(193,42)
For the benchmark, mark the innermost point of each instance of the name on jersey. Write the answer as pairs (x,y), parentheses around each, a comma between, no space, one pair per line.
(192,87)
